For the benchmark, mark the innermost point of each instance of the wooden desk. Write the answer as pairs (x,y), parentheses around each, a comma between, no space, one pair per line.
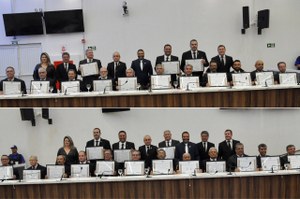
(274,96)
(257,185)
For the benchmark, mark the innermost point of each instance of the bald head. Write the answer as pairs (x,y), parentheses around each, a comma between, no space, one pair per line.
(259,65)
(147,140)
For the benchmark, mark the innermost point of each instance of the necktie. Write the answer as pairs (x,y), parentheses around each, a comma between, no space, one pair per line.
(186,148)
(229,145)
(122,147)
(194,55)
(222,60)
(90,61)
(141,65)
(66,66)
(97,143)
(115,69)
(204,146)
(168,143)
(148,148)
(167,58)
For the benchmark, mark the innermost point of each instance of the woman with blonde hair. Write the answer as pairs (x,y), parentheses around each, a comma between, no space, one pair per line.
(69,151)
(46,64)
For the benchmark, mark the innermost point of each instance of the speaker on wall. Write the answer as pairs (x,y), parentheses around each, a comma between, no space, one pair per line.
(263,19)
(246,19)
(27,114)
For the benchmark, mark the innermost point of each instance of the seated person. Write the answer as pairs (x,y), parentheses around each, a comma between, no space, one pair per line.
(237,68)
(34,165)
(103,74)
(15,157)
(61,160)
(135,156)
(259,65)
(5,162)
(262,149)
(130,72)
(185,157)
(213,68)
(159,69)
(281,69)
(108,156)
(42,73)
(232,161)
(188,70)
(72,76)
(284,162)
(297,63)
(213,156)
(10,76)
(82,159)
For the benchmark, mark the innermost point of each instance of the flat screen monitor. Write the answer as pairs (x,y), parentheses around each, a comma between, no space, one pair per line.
(64,21)
(20,24)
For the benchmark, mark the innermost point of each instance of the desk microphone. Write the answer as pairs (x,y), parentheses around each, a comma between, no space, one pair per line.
(123,84)
(188,85)
(169,171)
(102,174)
(214,173)
(266,83)
(66,89)
(107,86)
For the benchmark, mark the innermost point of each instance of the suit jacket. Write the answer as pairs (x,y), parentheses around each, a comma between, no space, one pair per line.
(23,85)
(103,142)
(163,143)
(120,70)
(89,79)
(129,145)
(188,55)
(232,162)
(253,74)
(202,153)
(229,75)
(258,161)
(50,72)
(224,151)
(41,168)
(284,160)
(61,72)
(143,76)
(161,59)
(180,150)
(223,68)
(148,157)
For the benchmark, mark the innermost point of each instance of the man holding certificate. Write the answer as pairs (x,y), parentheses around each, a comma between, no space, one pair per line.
(213,68)
(123,143)
(10,76)
(232,161)
(224,61)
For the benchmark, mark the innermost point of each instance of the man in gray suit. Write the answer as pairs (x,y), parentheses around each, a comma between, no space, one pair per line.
(168,142)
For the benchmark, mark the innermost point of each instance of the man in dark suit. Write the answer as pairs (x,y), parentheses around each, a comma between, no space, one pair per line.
(168,142)
(10,76)
(43,77)
(237,68)
(262,149)
(291,150)
(148,151)
(5,162)
(212,156)
(213,68)
(63,68)
(123,143)
(143,69)
(232,160)
(72,77)
(224,61)
(83,160)
(227,147)
(167,57)
(34,165)
(98,141)
(204,146)
(116,69)
(259,65)
(186,147)
(89,59)
(194,53)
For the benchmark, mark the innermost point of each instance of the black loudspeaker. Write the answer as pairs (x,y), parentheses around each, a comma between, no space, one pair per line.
(45,115)
(263,17)
(246,18)
(27,114)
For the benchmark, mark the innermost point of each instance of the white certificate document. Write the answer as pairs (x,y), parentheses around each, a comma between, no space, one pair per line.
(288,78)
(161,81)
(294,161)
(38,87)
(191,82)
(188,167)
(127,83)
(246,163)
(55,171)
(6,172)
(89,69)
(196,63)
(217,79)
(105,168)
(162,167)
(241,79)
(71,87)
(171,67)
(215,166)
(122,155)
(31,174)
(269,163)
(10,88)
(134,167)
(100,85)
(94,153)
(170,151)
(264,78)
(80,170)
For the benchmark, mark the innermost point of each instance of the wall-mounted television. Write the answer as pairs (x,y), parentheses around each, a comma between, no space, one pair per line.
(18,24)
(64,21)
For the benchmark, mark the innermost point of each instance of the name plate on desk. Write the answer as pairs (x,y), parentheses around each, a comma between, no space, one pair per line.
(270,163)
(38,87)
(101,85)
(188,167)
(246,163)
(55,171)
(196,63)
(127,83)
(122,155)
(105,168)
(264,78)
(94,153)
(170,151)
(294,161)
(89,69)
(134,167)
(241,79)
(217,79)
(161,81)
(215,166)
(162,167)
(80,170)
(31,174)
(191,82)
(70,87)
(10,87)
(6,172)
(171,67)
(288,78)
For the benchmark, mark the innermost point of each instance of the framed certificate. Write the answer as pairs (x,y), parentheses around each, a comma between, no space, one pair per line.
(241,79)
(171,67)
(196,63)
(246,163)
(161,81)
(215,166)
(189,82)
(188,167)
(55,171)
(127,83)
(217,79)
(265,78)
(94,153)
(134,167)
(288,78)
(160,167)
(70,87)
(122,155)
(294,161)
(105,168)
(101,85)
(80,170)
(10,88)
(170,151)
(38,87)
(6,172)
(31,174)
(89,69)
(270,163)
